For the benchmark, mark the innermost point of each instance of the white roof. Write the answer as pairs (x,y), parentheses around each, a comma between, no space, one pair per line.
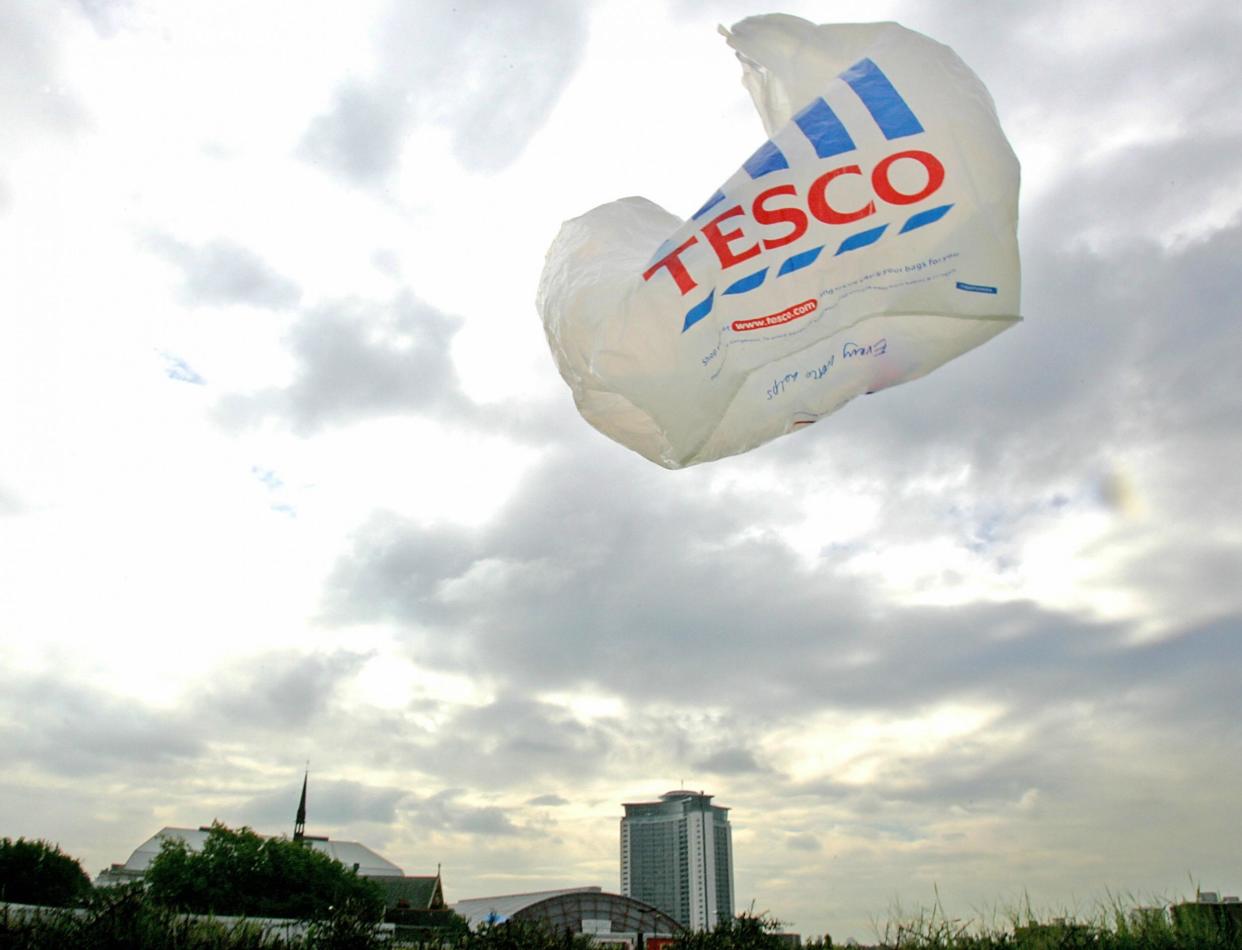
(348,853)
(477,910)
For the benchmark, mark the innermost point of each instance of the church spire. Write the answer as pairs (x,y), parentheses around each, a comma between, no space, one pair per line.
(299,822)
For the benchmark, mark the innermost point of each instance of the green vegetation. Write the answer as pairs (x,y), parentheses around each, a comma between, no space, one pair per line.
(37,872)
(744,932)
(520,935)
(242,874)
(1121,926)
(124,918)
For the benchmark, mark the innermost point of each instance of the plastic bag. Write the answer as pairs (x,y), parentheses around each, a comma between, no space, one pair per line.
(872,238)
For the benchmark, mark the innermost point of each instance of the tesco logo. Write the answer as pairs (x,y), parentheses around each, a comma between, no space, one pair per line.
(783,216)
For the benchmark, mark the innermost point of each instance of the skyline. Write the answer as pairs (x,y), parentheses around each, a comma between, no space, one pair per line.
(288,472)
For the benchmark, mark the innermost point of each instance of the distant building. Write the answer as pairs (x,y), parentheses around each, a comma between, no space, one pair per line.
(1209,914)
(349,853)
(416,901)
(611,919)
(677,855)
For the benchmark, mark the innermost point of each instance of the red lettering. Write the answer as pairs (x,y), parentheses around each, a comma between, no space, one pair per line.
(884,188)
(672,260)
(767,211)
(817,199)
(791,216)
(720,242)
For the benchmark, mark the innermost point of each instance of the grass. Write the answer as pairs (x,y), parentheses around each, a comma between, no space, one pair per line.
(125,920)
(1117,925)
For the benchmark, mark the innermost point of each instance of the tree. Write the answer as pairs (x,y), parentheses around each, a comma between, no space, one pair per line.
(37,872)
(239,872)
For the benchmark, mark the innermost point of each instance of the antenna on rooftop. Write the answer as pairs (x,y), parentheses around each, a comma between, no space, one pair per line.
(299,821)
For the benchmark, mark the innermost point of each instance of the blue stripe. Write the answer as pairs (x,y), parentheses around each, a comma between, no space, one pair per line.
(698,312)
(884,102)
(799,261)
(824,130)
(924,217)
(861,239)
(711,203)
(768,158)
(750,282)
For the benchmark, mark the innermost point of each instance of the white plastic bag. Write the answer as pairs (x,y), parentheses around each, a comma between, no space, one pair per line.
(871,239)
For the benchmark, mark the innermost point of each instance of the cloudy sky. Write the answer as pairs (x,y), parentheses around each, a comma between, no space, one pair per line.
(287,472)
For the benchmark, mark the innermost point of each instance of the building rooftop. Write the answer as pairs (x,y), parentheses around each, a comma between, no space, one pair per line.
(349,853)
(479,910)
(678,795)
(575,909)
(412,893)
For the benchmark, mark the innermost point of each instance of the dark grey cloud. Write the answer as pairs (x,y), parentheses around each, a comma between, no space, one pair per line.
(517,741)
(330,803)
(1119,724)
(222,273)
(548,801)
(514,745)
(280,691)
(803,842)
(484,821)
(1156,192)
(646,578)
(361,136)
(488,72)
(72,730)
(734,761)
(446,812)
(1053,755)
(276,701)
(357,360)
(770,641)
(285,707)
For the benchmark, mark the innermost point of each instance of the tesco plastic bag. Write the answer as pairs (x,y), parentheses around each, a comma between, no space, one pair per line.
(869,240)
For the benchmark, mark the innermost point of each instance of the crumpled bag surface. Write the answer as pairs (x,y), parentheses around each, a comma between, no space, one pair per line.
(869,240)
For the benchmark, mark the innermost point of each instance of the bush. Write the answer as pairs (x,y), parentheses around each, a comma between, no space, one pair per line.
(744,932)
(522,935)
(37,872)
(121,918)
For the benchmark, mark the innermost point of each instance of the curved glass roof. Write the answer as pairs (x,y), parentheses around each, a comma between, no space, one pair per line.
(568,909)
